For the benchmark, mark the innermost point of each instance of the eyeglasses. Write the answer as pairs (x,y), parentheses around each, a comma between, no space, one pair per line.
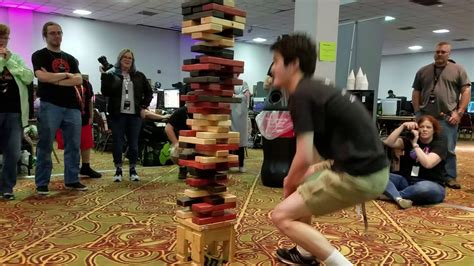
(4,38)
(52,33)
(441,52)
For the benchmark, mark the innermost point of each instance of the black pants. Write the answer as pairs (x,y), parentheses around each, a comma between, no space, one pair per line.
(241,153)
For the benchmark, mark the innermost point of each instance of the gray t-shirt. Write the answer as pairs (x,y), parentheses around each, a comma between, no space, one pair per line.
(127,105)
(447,90)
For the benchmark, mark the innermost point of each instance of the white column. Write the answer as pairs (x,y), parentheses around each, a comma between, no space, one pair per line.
(319,19)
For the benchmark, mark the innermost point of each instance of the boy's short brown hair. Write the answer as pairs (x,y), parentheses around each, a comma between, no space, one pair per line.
(4,30)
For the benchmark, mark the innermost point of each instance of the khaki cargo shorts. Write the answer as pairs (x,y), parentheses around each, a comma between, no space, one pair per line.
(328,191)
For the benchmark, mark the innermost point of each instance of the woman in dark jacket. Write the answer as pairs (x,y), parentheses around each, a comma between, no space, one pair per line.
(129,95)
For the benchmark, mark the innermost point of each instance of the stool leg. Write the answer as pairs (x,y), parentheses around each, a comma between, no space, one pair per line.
(197,249)
(228,247)
(181,244)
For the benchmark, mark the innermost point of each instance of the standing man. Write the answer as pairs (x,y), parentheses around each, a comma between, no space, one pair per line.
(14,110)
(442,89)
(61,106)
(331,123)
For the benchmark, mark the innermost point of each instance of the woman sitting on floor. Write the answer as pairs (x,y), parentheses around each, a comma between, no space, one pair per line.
(420,180)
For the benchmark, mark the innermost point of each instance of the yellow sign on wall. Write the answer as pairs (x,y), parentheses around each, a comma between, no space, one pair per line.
(327,51)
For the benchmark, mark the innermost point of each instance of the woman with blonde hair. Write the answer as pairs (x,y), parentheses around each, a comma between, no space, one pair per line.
(129,95)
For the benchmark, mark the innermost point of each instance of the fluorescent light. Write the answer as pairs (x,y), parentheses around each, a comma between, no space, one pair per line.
(259,39)
(389,18)
(441,31)
(415,47)
(82,12)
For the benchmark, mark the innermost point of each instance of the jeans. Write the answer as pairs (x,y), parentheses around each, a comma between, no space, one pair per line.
(10,145)
(451,134)
(125,125)
(420,191)
(51,117)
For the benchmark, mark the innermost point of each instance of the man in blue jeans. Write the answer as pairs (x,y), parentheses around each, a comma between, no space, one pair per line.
(61,106)
(442,89)
(14,110)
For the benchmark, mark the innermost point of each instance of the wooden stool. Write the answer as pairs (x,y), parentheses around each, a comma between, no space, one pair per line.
(201,235)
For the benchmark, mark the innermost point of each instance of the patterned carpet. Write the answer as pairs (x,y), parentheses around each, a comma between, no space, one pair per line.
(132,223)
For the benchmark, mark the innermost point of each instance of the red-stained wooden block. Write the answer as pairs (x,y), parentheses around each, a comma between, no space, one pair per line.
(213,86)
(227,93)
(209,105)
(187,133)
(199,182)
(196,67)
(206,111)
(216,147)
(206,207)
(210,214)
(232,82)
(194,164)
(226,9)
(211,220)
(232,69)
(190,98)
(220,61)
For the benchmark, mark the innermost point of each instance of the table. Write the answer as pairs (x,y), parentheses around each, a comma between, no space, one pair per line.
(387,123)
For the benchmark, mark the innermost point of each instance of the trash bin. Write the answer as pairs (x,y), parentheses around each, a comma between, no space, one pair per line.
(279,142)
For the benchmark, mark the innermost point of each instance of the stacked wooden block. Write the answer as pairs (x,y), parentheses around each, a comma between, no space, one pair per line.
(213,75)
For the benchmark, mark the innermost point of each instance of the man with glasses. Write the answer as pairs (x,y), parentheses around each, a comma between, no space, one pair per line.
(14,110)
(442,89)
(61,107)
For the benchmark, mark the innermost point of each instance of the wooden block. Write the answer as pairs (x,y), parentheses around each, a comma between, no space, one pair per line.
(216,188)
(231,32)
(209,104)
(213,153)
(200,2)
(211,28)
(204,110)
(200,86)
(189,23)
(228,197)
(206,207)
(187,201)
(187,11)
(199,182)
(207,49)
(195,67)
(203,166)
(223,93)
(197,193)
(231,141)
(184,214)
(211,135)
(232,81)
(220,61)
(194,140)
(203,159)
(209,214)
(224,43)
(186,145)
(190,61)
(208,79)
(212,117)
(240,19)
(200,148)
(187,133)
(211,220)
(199,173)
(226,9)
(198,122)
(224,22)
(199,15)
(230,3)
(203,36)
(187,151)
(233,70)
(222,153)
(214,200)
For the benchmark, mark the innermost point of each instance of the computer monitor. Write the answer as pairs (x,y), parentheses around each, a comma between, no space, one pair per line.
(171,99)
(470,107)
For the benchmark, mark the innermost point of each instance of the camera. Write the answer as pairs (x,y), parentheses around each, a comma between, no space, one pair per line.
(105,64)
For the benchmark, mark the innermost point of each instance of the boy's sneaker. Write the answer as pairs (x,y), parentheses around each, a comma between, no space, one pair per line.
(87,171)
(76,186)
(133,175)
(292,256)
(8,196)
(42,190)
(242,169)
(118,175)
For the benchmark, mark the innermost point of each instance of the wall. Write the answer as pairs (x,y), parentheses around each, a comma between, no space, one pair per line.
(87,40)
(398,71)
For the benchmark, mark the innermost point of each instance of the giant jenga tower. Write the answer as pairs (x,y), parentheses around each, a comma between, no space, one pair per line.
(207,216)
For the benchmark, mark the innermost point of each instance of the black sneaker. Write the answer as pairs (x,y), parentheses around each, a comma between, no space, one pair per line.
(8,196)
(87,171)
(76,186)
(292,256)
(133,175)
(42,190)
(118,175)
(452,183)
(183,172)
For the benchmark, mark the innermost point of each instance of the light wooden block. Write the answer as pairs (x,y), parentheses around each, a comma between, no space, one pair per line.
(230,158)
(229,3)
(211,28)
(222,154)
(211,117)
(215,153)
(197,193)
(228,197)
(214,129)
(189,23)
(208,37)
(224,43)
(240,19)
(212,135)
(184,214)
(232,141)
(194,140)
(200,123)
(224,22)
